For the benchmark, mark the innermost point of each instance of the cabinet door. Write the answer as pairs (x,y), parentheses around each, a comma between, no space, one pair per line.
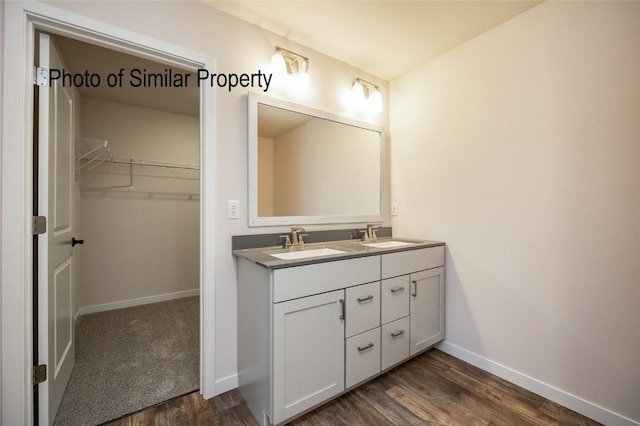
(427,308)
(308,352)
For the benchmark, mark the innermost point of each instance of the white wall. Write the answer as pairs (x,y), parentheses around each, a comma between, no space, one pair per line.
(142,242)
(237,47)
(521,150)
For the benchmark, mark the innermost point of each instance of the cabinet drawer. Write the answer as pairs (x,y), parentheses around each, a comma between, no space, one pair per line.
(405,262)
(362,308)
(301,281)
(394,298)
(395,342)
(363,356)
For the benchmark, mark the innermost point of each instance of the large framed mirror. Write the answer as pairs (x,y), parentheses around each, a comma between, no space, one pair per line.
(308,166)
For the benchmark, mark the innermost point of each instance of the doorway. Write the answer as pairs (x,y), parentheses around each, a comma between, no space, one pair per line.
(137,203)
(22,19)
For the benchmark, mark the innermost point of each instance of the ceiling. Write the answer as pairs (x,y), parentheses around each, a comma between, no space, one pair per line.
(383,38)
(81,57)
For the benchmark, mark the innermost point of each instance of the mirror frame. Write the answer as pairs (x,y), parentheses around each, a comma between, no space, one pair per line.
(254,99)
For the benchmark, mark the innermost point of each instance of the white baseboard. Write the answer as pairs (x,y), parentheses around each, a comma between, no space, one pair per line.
(545,390)
(136,302)
(226,384)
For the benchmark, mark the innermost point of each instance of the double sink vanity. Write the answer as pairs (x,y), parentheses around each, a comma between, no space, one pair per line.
(318,319)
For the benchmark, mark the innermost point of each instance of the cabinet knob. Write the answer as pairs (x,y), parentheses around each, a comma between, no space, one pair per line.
(397,289)
(343,309)
(415,291)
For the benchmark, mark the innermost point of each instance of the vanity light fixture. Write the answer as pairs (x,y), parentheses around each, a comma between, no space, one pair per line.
(285,62)
(367,94)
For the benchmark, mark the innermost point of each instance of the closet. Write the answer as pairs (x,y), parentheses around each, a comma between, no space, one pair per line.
(139,182)
(137,211)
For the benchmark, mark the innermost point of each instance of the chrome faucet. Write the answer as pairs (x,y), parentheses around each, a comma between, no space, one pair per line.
(295,239)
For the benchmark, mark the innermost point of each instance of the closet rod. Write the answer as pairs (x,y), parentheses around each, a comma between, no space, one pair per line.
(156,163)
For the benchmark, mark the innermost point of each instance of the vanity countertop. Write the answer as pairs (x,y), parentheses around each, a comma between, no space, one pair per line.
(348,249)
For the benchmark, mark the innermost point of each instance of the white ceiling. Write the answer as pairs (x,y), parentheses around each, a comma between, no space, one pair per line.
(81,57)
(383,38)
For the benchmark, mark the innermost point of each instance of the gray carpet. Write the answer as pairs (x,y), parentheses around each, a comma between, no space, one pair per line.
(129,359)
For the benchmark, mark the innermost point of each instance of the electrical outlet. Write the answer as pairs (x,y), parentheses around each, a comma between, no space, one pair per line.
(233,209)
(394,209)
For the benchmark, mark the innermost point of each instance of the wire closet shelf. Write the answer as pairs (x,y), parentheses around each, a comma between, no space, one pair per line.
(95,156)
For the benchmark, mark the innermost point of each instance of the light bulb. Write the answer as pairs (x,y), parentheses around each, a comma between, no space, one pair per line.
(304,67)
(375,101)
(278,65)
(357,93)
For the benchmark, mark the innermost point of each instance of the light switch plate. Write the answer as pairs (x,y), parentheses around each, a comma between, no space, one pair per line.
(394,209)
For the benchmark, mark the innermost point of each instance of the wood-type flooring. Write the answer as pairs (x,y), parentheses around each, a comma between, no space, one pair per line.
(431,389)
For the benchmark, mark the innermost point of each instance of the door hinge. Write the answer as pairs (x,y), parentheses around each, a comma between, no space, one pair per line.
(39,225)
(39,373)
(40,76)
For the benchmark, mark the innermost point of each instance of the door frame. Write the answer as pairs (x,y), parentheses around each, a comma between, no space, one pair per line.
(21,20)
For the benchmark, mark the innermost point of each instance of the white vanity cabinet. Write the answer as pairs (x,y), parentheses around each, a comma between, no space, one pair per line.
(291,332)
(308,333)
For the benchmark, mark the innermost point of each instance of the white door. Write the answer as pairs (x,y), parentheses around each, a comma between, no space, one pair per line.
(308,352)
(427,308)
(55,252)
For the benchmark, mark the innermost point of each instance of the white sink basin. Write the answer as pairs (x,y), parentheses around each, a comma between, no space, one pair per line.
(303,254)
(388,244)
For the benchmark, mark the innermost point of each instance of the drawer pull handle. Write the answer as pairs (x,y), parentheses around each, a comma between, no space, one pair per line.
(343,312)
(364,299)
(364,348)
(397,333)
(397,289)
(415,292)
